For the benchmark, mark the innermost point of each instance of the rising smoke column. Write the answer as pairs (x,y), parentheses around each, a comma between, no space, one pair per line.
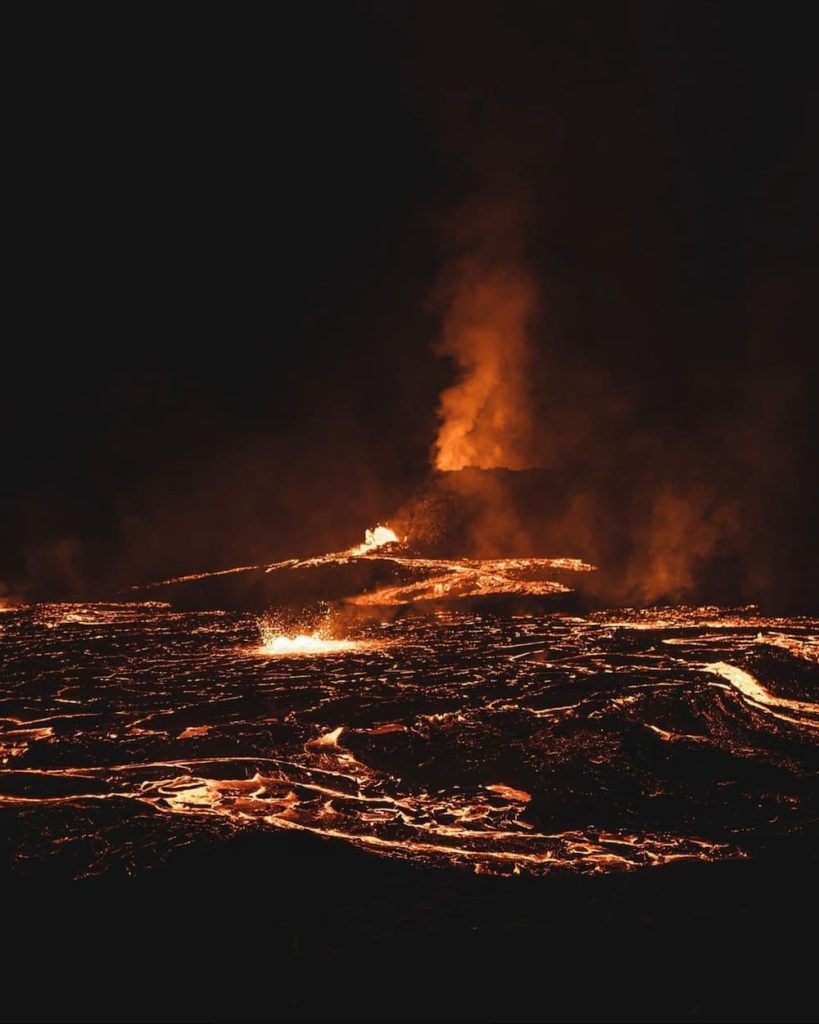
(487,299)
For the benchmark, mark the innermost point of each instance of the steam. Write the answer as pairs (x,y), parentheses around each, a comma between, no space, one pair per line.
(488,297)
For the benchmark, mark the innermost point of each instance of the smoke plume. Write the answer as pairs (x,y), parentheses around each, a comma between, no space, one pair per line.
(487,297)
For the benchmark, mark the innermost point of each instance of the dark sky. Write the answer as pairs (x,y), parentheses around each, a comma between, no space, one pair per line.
(228,224)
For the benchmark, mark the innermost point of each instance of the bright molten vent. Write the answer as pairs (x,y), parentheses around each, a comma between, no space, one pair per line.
(303,643)
(373,539)
(304,635)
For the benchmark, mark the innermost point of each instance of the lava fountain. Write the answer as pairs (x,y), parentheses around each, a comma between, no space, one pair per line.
(277,644)
(373,539)
(283,637)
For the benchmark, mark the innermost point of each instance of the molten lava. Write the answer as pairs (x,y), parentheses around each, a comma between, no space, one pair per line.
(374,539)
(282,638)
(534,742)
(305,643)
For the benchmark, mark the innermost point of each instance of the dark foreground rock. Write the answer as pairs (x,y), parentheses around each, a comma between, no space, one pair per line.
(272,927)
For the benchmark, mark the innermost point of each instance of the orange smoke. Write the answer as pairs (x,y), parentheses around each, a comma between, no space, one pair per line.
(488,299)
(684,532)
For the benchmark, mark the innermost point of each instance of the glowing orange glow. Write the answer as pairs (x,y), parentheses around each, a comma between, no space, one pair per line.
(280,641)
(488,298)
(375,538)
(327,739)
(305,643)
(387,728)
(575,692)
(464,578)
(194,732)
(757,696)
(421,579)
(515,795)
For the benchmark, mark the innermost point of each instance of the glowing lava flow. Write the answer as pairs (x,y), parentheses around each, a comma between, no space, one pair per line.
(382,571)
(762,699)
(525,742)
(471,578)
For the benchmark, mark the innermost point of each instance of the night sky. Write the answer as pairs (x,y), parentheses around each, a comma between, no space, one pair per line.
(228,225)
